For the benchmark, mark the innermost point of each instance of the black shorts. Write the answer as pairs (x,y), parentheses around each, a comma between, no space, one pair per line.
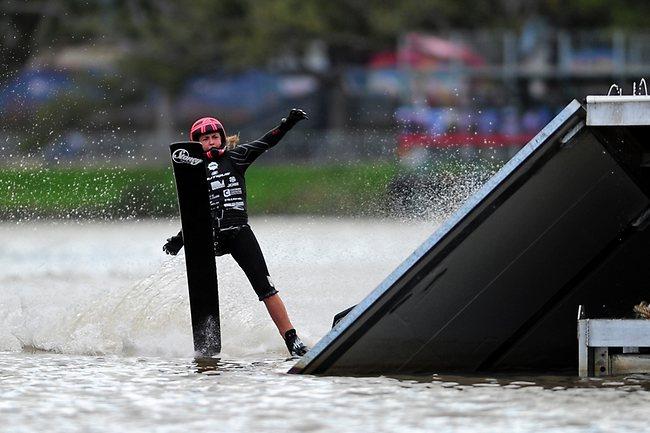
(240,242)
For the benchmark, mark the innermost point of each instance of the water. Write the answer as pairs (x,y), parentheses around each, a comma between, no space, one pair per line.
(95,337)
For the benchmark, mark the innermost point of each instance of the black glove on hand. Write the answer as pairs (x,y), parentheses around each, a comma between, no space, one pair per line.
(295,116)
(173,245)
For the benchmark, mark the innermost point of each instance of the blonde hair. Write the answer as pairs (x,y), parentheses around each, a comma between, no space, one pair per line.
(232,141)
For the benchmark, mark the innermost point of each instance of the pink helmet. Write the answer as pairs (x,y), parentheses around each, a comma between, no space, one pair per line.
(205,125)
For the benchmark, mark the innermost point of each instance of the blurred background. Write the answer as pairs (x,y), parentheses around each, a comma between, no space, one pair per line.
(412,104)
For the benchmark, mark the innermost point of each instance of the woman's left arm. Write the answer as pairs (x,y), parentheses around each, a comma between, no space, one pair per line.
(244,154)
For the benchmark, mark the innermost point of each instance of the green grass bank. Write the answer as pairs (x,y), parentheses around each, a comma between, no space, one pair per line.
(150,192)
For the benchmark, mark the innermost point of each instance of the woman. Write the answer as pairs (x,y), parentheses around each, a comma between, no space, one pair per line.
(227,162)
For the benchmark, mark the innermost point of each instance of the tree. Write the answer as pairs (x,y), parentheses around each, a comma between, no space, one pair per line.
(168,41)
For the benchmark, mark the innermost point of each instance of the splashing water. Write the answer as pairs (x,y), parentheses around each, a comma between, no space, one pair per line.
(614,87)
(434,196)
(642,84)
(108,289)
(636,90)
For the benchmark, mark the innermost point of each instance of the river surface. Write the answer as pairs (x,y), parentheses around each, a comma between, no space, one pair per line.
(95,337)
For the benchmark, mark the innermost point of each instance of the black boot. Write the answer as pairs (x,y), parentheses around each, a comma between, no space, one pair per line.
(295,346)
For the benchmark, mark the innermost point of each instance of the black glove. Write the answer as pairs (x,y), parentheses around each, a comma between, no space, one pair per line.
(173,245)
(295,116)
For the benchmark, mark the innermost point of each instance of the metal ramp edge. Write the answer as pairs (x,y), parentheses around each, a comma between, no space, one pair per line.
(388,295)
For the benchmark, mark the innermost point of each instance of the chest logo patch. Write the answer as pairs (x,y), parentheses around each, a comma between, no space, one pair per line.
(217,184)
(213,166)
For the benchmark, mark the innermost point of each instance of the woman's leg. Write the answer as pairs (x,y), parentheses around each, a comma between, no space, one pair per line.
(247,253)
(278,313)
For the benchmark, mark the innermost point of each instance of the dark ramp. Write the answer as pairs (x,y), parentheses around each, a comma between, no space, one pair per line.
(497,286)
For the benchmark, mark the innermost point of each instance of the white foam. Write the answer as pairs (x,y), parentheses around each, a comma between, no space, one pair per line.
(108,288)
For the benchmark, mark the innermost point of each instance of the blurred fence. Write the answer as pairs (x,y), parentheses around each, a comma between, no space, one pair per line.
(495,83)
(538,50)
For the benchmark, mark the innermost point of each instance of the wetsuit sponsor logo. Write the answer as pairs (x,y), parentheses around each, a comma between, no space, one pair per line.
(232,179)
(213,166)
(236,206)
(217,184)
(231,191)
(181,156)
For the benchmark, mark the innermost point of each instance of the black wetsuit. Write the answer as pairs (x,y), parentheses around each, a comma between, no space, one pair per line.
(227,182)
(228,206)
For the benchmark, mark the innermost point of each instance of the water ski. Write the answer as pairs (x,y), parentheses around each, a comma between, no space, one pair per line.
(196,222)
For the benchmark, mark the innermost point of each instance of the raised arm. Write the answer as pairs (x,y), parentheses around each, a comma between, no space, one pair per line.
(244,154)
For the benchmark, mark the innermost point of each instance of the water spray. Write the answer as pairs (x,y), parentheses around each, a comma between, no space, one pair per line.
(636,90)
